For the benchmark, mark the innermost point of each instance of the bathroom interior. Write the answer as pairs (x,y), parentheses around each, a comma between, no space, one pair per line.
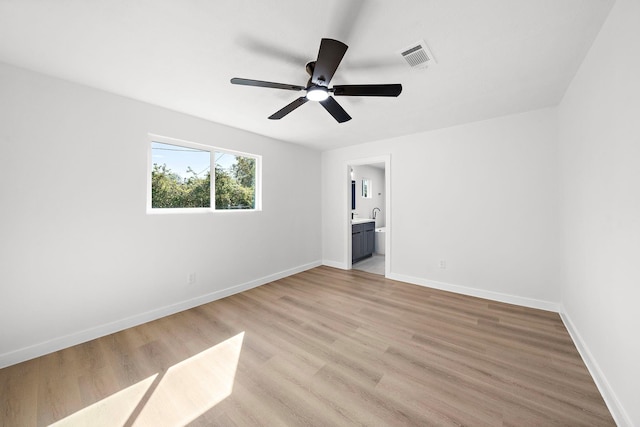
(368,217)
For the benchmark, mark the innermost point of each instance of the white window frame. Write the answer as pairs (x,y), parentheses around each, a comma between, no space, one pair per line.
(212,151)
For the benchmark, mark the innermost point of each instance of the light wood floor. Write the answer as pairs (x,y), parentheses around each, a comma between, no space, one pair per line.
(325,347)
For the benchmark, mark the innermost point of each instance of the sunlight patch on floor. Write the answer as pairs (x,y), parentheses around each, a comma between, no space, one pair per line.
(175,397)
(113,410)
(193,386)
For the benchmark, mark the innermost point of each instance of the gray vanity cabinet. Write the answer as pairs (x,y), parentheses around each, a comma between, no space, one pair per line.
(356,243)
(362,240)
(369,234)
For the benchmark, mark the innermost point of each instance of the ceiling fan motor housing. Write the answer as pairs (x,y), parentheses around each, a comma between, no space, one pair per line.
(310,67)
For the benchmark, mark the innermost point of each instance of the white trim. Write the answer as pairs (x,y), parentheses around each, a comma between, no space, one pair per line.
(480,293)
(335,264)
(55,344)
(195,211)
(618,413)
(386,159)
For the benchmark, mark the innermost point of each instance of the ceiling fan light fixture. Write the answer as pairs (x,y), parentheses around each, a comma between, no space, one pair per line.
(317,94)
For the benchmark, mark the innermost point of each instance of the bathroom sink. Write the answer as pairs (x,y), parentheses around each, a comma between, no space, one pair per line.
(361,220)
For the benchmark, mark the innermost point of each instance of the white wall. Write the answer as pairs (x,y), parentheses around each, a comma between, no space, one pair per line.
(483,197)
(599,133)
(365,206)
(79,257)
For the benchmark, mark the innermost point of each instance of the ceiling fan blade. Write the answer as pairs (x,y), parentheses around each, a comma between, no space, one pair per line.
(260,83)
(329,56)
(289,108)
(338,113)
(367,90)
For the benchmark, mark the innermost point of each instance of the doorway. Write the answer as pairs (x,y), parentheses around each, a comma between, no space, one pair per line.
(368,208)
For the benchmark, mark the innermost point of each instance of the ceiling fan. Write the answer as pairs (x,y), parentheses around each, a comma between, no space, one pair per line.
(321,71)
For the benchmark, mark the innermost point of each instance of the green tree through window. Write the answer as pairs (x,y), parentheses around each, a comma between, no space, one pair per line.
(175,182)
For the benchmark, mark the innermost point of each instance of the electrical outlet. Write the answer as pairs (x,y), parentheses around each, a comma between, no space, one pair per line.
(191,278)
(443,264)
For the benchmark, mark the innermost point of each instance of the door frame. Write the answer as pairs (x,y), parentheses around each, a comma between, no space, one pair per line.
(386,159)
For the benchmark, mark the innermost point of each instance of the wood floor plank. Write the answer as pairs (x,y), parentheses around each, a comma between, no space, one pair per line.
(19,394)
(323,347)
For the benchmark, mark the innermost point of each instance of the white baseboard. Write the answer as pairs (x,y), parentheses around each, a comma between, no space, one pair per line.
(335,264)
(480,293)
(55,344)
(620,416)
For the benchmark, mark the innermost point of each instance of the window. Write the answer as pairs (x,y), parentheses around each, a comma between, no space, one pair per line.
(180,177)
(366,188)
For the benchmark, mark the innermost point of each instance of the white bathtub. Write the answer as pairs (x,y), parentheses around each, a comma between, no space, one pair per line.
(379,245)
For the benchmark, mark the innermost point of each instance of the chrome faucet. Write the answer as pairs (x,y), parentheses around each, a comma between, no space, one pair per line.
(373,214)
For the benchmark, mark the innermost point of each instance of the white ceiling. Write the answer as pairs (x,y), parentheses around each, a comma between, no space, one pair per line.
(495,57)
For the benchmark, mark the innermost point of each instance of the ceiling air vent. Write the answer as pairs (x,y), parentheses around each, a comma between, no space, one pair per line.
(418,55)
